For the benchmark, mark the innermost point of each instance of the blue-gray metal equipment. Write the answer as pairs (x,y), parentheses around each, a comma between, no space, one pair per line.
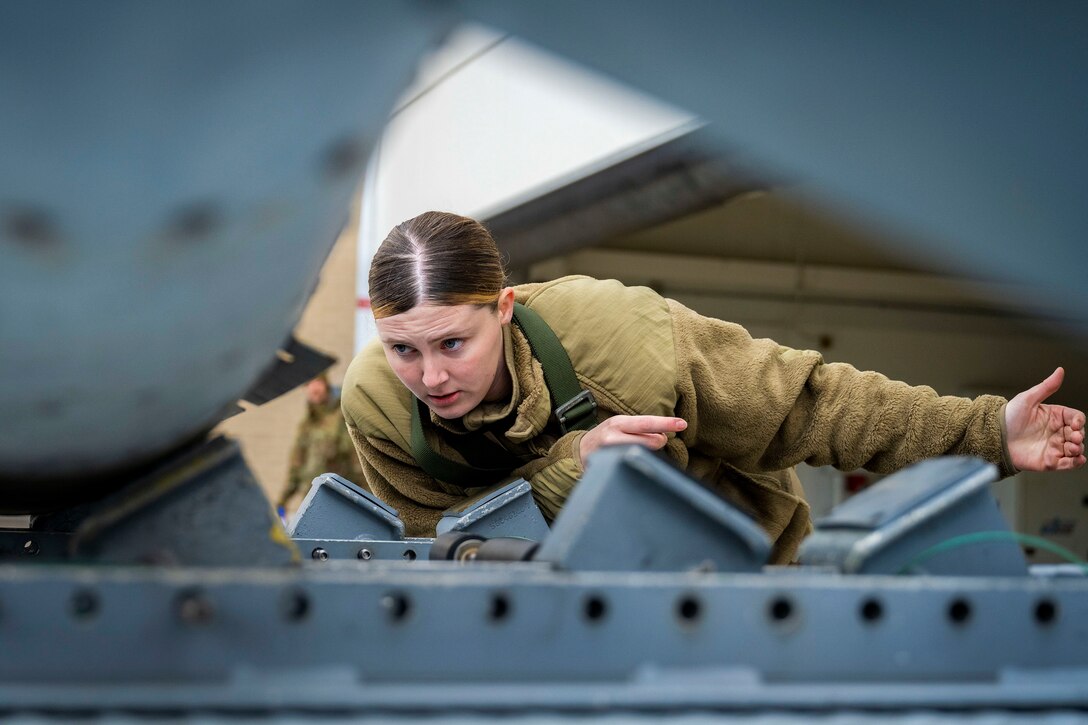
(505,510)
(887,528)
(201,508)
(633,511)
(339,520)
(351,636)
(172,176)
(336,515)
(336,508)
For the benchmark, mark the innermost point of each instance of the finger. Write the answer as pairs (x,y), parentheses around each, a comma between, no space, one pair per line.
(653,441)
(1073,418)
(1045,389)
(1076,435)
(1066,464)
(640,424)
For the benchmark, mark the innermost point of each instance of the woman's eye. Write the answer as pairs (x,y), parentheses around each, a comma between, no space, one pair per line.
(401,349)
(452,344)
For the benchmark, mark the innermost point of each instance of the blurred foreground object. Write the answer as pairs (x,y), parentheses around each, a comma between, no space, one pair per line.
(175,174)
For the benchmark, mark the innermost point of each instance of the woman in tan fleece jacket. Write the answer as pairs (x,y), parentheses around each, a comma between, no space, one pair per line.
(734,411)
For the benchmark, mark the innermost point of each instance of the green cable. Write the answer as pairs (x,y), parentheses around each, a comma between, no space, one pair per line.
(980,537)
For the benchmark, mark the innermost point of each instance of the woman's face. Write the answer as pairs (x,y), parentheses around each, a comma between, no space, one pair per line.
(450,356)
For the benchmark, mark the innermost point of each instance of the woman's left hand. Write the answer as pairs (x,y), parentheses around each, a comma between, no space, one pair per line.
(1044,437)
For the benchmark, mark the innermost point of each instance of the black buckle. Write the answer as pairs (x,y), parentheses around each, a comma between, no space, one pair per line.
(566,412)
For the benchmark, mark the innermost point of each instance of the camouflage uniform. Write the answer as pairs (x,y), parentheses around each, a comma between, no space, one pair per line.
(322,445)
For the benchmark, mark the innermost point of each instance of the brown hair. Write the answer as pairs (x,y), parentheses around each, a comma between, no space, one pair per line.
(435,257)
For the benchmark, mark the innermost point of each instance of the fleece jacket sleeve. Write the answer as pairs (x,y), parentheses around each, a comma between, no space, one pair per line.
(764,407)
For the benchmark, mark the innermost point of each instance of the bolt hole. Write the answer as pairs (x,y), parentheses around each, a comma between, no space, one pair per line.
(410,554)
(296,606)
(196,221)
(688,609)
(780,609)
(397,605)
(32,227)
(195,608)
(1046,611)
(596,609)
(500,608)
(342,158)
(871,610)
(1029,551)
(85,604)
(959,611)
(319,554)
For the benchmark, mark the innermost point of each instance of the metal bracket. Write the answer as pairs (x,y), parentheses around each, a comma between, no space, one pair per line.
(584,398)
(633,511)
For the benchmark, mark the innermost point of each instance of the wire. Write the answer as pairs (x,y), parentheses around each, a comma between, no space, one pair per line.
(981,537)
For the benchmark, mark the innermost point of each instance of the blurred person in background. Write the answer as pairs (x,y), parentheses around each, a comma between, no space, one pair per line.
(322,445)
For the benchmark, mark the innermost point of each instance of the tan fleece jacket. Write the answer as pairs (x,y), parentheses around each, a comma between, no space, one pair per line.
(754,409)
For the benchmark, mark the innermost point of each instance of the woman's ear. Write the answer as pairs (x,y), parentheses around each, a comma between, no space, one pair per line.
(506,304)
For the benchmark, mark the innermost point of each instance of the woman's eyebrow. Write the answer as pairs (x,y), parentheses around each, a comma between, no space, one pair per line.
(447,334)
(438,336)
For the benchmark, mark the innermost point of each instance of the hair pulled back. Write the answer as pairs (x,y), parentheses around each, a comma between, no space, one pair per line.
(436,257)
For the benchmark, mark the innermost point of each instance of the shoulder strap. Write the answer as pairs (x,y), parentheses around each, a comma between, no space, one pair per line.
(575,409)
(459,474)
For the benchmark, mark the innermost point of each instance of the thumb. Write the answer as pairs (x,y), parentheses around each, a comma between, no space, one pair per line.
(1042,391)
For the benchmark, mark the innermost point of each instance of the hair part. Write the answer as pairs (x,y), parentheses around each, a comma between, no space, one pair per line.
(438,258)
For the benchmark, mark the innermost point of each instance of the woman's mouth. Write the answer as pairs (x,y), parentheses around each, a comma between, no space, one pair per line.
(443,400)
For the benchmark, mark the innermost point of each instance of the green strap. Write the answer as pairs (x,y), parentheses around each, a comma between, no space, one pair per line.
(575,409)
(460,474)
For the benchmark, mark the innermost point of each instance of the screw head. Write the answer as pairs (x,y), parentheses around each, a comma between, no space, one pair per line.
(365,554)
(319,554)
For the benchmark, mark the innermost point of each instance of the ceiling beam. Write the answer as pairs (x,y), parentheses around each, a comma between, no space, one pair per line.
(679,177)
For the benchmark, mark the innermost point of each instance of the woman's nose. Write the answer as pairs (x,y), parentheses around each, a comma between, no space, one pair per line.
(434,373)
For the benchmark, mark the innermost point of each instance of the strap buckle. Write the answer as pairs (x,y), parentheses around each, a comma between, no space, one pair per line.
(572,412)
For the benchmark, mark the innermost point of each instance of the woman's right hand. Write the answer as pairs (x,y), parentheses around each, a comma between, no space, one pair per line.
(644,430)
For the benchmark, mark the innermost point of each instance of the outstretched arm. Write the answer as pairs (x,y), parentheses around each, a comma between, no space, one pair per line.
(1044,437)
